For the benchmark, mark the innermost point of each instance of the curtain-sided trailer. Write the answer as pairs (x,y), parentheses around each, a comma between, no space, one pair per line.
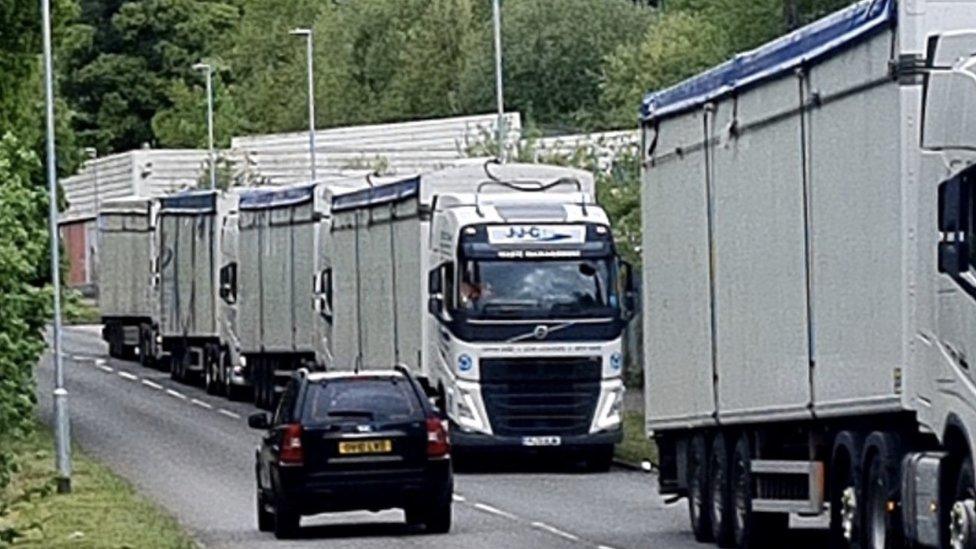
(128,298)
(500,286)
(188,244)
(809,312)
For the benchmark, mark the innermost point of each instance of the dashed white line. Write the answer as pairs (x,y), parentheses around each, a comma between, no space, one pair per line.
(99,362)
(459,498)
(228,413)
(494,511)
(108,369)
(173,393)
(556,531)
(127,375)
(603,547)
(152,384)
(201,404)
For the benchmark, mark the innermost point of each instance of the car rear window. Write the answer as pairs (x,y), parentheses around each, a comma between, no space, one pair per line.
(376,399)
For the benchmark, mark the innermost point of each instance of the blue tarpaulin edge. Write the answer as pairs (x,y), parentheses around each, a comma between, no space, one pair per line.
(270,197)
(190,200)
(380,194)
(807,44)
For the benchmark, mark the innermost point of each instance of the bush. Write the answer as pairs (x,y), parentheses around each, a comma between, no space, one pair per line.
(24,301)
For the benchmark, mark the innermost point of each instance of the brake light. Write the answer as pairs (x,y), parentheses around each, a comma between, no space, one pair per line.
(292,454)
(438,444)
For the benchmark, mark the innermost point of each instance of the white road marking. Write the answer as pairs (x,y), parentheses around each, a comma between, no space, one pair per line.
(494,511)
(106,368)
(127,375)
(459,498)
(603,547)
(201,404)
(173,393)
(99,362)
(82,358)
(152,384)
(556,531)
(228,413)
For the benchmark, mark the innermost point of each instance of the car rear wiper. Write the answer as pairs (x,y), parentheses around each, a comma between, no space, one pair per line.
(351,413)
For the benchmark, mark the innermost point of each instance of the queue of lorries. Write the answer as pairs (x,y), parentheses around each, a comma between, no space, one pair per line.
(808,278)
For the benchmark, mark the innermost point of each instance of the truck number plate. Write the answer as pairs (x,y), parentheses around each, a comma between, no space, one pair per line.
(541,441)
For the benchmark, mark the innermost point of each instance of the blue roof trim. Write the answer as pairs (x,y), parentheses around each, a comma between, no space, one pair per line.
(265,197)
(190,200)
(380,194)
(830,34)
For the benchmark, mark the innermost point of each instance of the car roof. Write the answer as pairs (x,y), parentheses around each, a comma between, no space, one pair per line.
(326,376)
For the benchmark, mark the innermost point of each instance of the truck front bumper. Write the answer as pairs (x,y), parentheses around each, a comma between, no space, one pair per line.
(463,440)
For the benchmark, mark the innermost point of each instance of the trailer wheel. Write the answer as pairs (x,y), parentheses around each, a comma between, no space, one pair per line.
(697,483)
(210,379)
(146,358)
(962,514)
(720,493)
(845,490)
(257,376)
(177,365)
(882,467)
(751,529)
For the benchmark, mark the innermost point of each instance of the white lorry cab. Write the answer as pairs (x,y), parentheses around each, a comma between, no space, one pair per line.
(500,286)
(808,215)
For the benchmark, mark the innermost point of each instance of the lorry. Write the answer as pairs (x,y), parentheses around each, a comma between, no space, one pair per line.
(269,322)
(810,290)
(501,288)
(128,299)
(187,270)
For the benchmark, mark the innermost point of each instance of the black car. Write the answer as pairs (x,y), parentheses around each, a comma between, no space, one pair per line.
(343,441)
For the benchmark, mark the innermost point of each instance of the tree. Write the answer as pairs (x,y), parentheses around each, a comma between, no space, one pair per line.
(553,52)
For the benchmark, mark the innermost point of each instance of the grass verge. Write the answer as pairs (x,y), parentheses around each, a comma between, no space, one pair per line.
(102,511)
(635,447)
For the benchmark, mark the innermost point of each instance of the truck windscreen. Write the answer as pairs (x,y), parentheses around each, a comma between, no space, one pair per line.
(564,288)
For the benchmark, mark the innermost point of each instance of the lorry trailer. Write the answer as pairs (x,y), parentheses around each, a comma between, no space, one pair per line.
(500,286)
(810,290)
(128,298)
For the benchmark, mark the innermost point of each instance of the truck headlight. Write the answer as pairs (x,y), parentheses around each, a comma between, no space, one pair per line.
(468,414)
(608,416)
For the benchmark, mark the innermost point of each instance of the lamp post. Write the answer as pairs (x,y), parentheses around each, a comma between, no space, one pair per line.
(208,72)
(309,50)
(62,440)
(92,265)
(499,93)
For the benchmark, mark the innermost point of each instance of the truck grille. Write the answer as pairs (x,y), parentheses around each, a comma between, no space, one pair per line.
(540,396)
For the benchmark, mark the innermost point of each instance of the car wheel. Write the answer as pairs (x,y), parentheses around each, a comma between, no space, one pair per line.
(438,521)
(286,520)
(266,519)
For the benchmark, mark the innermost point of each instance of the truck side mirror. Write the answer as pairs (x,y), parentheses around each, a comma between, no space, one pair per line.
(630,290)
(950,108)
(322,302)
(434,285)
(953,258)
(228,283)
(435,306)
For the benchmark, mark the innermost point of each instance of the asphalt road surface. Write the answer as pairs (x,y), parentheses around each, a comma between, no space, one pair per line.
(194,455)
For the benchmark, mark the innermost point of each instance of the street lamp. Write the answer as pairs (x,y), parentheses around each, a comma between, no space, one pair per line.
(62,441)
(307,34)
(208,72)
(497,20)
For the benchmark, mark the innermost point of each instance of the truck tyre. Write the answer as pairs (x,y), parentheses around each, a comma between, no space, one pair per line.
(697,483)
(961,515)
(146,358)
(211,380)
(600,459)
(286,520)
(720,492)
(177,366)
(881,465)
(257,384)
(751,529)
(845,490)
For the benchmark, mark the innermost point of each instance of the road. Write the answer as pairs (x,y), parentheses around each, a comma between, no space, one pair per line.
(194,455)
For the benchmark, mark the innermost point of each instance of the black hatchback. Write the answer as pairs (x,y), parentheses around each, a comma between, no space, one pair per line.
(343,441)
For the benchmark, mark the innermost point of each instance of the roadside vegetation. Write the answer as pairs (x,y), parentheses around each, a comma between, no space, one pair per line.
(635,447)
(102,510)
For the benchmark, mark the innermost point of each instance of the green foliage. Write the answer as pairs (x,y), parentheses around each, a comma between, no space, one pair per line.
(23,302)
(553,52)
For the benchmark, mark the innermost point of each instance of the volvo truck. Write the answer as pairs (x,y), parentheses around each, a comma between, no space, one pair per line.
(128,298)
(501,287)
(809,214)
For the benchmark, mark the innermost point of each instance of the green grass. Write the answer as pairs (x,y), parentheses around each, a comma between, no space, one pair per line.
(102,511)
(80,311)
(635,447)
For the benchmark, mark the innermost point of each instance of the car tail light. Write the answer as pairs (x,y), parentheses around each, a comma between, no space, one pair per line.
(292,453)
(438,445)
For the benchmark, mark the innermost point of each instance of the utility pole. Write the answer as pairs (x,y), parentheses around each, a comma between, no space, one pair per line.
(499,92)
(309,51)
(62,434)
(92,154)
(208,72)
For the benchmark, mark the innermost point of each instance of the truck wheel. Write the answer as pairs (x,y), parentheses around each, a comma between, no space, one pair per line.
(146,358)
(882,466)
(210,379)
(697,483)
(720,492)
(257,383)
(177,368)
(962,515)
(751,529)
(845,490)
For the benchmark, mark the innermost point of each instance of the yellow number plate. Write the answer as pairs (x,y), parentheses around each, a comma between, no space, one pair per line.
(383,446)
